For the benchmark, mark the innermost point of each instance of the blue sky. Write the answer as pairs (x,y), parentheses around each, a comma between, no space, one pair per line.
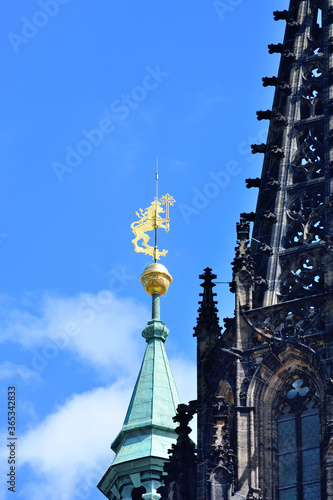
(91,95)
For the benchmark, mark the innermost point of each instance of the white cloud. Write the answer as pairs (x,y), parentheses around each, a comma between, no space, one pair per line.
(185,375)
(10,370)
(95,327)
(68,451)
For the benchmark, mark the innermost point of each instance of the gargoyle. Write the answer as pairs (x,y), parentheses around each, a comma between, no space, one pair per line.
(276,48)
(280,15)
(253,182)
(269,81)
(264,115)
(258,148)
(248,216)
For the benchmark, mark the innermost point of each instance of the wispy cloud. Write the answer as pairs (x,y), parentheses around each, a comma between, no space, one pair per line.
(9,371)
(94,327)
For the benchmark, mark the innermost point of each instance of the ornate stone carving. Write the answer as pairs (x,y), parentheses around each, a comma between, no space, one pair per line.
(243,260)
(287,321)
(308,160)
(221,454)
(301,274)
(305,217)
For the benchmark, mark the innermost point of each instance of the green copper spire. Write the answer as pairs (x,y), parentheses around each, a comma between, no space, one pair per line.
(148,431)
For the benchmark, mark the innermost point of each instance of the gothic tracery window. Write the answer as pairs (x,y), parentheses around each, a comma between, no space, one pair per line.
(298,443)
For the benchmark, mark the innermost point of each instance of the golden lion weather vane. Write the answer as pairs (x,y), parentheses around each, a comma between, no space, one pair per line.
(150,219)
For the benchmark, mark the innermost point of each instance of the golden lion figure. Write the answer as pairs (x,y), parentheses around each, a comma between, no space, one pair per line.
(149,220)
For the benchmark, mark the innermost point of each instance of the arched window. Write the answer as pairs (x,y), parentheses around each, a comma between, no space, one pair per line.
(298,442)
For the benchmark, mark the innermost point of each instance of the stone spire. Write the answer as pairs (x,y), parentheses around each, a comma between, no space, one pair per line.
(292,227)
(207,320)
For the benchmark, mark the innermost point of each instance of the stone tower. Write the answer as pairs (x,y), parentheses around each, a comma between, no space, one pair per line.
(265,385)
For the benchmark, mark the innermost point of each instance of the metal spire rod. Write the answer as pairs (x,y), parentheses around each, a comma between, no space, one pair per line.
(156,178)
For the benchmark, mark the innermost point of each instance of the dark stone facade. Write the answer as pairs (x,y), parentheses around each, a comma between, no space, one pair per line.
(273,364)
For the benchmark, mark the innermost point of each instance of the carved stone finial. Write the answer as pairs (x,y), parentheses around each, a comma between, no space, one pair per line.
(207,310)
(243,231)
(243,260)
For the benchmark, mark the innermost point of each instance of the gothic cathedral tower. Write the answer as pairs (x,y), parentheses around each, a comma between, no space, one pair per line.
(265,386)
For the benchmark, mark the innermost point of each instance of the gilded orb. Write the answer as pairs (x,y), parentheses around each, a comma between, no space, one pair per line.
(156,279)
